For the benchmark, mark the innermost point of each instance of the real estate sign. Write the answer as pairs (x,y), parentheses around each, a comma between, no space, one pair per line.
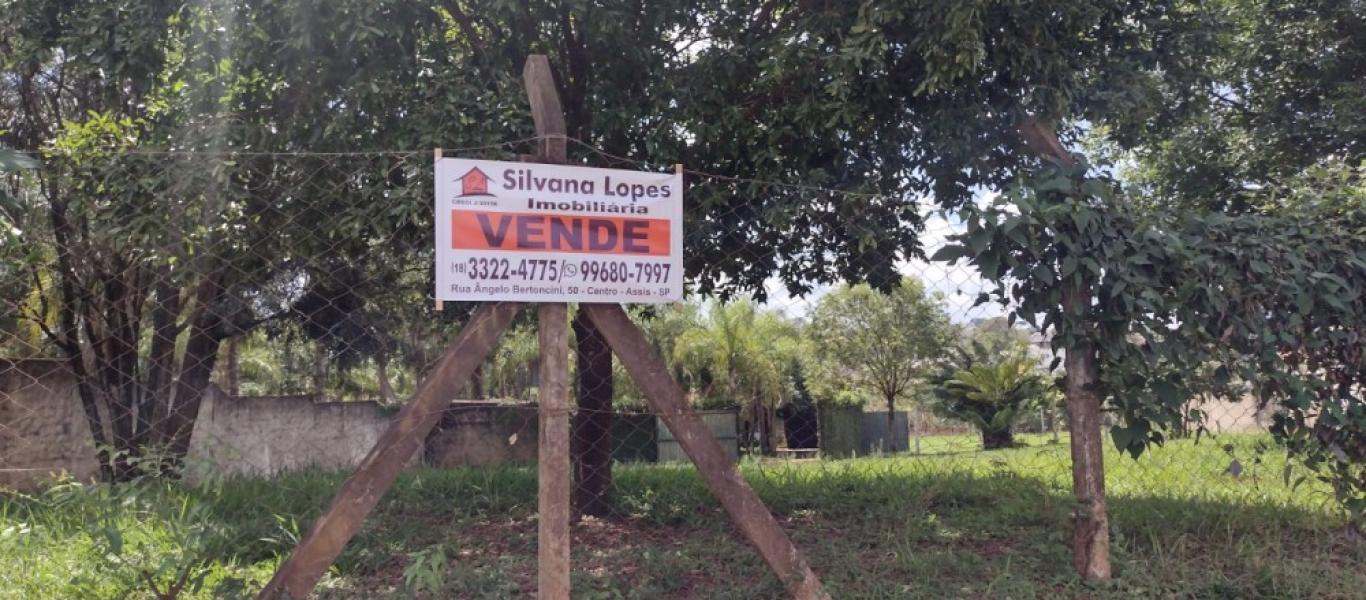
(535,232)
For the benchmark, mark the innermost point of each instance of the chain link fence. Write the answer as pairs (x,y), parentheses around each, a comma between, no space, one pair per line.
(243,318)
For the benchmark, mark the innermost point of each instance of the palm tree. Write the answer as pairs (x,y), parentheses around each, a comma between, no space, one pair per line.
(735,357)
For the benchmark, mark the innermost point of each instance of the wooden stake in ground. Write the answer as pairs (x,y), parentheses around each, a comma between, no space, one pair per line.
(552,472)
(553,477)
(1091,522)
(718,471)
(330,533)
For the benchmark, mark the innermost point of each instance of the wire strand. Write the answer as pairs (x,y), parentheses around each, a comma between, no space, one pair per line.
(535,138)
(799,186)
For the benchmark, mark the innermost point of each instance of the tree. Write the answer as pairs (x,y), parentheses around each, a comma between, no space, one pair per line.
(181,243)
(738,357)
(891,100)
(989,387)
(1274,299)
(1268,89)
(880,342)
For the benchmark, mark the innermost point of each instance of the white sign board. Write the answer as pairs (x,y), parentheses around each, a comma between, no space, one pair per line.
(534,232)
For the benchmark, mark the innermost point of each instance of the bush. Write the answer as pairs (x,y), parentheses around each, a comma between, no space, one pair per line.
(988,389)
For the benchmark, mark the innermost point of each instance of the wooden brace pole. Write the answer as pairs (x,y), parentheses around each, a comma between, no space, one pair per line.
(361,492)
(718,471)
(553,465)
(1090,519)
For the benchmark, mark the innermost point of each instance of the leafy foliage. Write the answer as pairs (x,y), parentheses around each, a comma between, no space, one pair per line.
(875,344)
(738,356)
(988,388)
(1270,303)
(1267,89)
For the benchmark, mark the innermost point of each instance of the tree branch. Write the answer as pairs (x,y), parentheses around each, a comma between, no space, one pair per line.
(462,20)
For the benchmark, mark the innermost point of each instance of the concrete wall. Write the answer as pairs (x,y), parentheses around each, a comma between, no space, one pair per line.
(43,429)
(1222,416)
(260,436)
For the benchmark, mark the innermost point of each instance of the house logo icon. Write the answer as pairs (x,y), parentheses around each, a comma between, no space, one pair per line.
(474,183)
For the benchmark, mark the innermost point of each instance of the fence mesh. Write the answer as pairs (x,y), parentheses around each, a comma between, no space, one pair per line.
(242,317)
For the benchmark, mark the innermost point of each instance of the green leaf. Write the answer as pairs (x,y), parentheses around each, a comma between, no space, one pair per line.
(1169,393)
(979,241)
(1060,183)
(950,253)
(1044,274)
(1132,439)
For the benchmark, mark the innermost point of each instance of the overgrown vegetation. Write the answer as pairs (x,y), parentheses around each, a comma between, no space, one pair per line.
(947,525)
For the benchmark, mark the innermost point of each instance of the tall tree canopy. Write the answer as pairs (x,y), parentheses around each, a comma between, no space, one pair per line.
(890,100)
(1270,89)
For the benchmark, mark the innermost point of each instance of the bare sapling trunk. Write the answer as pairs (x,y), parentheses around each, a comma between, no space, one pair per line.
(889,443)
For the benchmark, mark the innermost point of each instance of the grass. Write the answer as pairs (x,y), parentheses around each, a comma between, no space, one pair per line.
(954,523)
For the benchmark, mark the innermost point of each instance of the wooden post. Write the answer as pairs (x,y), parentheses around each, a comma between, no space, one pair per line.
(1091,522)
(545,108)
(552,471)
(552,482)
(361,492)
(720,474)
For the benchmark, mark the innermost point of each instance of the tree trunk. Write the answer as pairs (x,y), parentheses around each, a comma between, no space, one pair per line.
(319,371)
(166,308)
(1091,533)
(196,370)
(889,443)
(917,426)
(592,436)
(765,417)
(112,321)
(477,383)
(232,369)
(997,439)
(386,392)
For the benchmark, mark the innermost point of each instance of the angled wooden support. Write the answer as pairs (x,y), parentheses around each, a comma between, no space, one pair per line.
(361,492)
(718,471)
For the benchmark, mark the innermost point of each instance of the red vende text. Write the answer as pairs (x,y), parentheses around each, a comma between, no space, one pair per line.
(480,230)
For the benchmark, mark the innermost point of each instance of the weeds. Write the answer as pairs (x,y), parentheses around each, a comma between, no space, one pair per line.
(941,525)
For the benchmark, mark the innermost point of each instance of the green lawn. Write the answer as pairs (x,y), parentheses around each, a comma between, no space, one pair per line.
(956,523)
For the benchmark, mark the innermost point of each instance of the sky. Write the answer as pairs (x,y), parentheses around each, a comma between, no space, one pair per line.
(959,284)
